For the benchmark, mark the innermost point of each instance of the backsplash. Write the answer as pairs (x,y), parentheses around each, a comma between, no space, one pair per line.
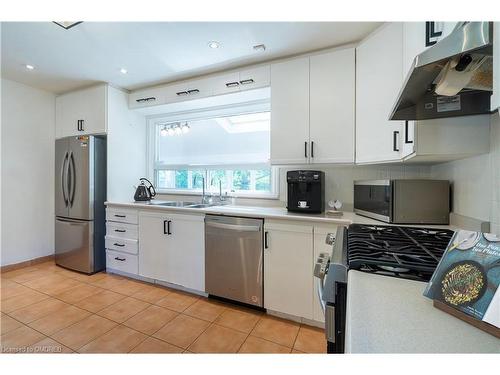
(340,179)
(339,182)
(476,181)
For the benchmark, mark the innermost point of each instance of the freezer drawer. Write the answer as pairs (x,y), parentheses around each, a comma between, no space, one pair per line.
(233,258)
(74,244)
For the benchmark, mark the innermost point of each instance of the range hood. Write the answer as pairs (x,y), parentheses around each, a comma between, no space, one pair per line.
(452,78)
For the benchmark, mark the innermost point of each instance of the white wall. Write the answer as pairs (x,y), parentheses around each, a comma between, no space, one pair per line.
(126,147)
(28,129)
(476,181)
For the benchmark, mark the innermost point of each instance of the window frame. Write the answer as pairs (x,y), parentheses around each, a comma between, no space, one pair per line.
(221,111)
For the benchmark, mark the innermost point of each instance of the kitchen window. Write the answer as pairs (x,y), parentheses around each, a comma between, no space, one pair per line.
(230,151)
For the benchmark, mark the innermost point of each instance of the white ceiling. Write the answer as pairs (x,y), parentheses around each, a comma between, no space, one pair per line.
(154,52)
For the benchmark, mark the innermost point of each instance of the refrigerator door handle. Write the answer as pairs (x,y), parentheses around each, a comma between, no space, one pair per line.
(72,187)
(64,177)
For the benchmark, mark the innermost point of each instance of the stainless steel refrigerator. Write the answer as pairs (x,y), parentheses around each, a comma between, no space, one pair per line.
(80,192)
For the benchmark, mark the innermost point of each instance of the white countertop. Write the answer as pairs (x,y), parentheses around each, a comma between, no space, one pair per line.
(390,315)
(265,212)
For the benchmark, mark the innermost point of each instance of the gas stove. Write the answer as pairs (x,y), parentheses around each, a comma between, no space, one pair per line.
(405,252)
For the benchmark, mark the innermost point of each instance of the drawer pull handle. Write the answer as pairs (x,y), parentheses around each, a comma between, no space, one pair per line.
(181,93)
(120,215)
(246,81)
(193,91)
(119,244)
(232,84)
(120,230)
(120,259)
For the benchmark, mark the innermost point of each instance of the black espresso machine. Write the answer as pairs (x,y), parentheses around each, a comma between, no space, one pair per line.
(306,191)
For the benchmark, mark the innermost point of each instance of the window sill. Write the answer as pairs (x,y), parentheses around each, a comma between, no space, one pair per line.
(215,195)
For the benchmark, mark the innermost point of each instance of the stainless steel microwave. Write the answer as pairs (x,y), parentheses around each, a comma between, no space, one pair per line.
(403,201)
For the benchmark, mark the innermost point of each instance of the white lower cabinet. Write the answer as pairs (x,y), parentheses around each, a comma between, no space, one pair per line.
(121,240)
(172,248)
(288,264)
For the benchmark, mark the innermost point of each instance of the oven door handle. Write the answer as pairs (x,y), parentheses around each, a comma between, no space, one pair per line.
(319,289)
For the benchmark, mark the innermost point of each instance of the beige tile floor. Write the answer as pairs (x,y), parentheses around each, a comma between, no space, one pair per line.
(48,309)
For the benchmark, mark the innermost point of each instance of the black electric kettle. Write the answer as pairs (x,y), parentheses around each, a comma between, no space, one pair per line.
(144,192)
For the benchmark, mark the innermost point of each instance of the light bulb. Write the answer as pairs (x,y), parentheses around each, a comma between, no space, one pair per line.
(164,132)
(185,128)
(178,130)
(171,131)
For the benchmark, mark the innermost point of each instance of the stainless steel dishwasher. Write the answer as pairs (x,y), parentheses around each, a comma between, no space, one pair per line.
(234,258)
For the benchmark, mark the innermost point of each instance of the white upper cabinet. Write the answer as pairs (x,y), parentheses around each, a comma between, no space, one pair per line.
(313,108)
(379,78)
(332,106)
(188,90)
(226,83)
(82,112)
(217,84)
(255,77)
(147,97)
(495,98)
(290,112)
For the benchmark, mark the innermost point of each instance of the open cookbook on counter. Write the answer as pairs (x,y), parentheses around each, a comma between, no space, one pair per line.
(468,276)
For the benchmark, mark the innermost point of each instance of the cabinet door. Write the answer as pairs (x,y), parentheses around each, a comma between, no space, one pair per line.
(225,83)
(332,98)
(154,243)
(290,112)
(255,78)
(67,113)
(146,98)
(188,90)
(413,44)
(82,112)
(495,98)
(320,246)
(288,265)
(379,78)
(186,251)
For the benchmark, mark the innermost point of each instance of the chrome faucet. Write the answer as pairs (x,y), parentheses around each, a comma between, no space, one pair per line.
(204,197)
(222,198)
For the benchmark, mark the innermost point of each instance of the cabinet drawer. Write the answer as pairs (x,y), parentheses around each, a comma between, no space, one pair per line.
(121,261)
(122,215)
(122,244)
(122,230)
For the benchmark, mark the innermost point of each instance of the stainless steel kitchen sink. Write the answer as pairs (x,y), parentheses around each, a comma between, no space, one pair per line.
(173,203)
(186,204)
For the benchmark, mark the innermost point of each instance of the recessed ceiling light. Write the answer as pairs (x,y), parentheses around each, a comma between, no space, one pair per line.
(259,47)
(123,71)
(29,67)
(67,24)
(213,44)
